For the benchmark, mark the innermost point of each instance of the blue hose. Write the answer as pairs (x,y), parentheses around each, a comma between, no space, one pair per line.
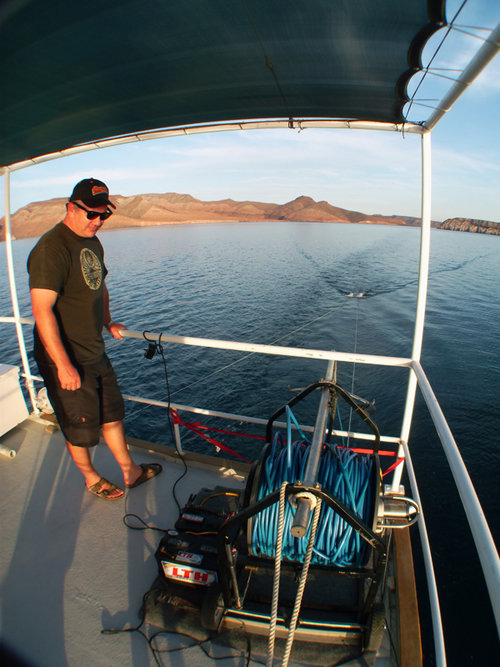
(344,475)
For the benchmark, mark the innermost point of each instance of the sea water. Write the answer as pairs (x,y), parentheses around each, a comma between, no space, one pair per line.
(326,286)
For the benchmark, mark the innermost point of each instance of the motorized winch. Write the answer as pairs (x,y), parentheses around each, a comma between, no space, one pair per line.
(314,511)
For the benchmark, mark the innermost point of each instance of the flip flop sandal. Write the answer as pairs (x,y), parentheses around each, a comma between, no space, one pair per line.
(149,470)
(97,490)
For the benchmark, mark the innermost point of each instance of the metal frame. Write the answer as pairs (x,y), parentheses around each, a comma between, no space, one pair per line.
(13,294)
(423,280)
(279,123)
(485,54)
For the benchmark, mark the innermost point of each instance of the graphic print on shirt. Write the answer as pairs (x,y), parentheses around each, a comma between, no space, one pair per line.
(91,268)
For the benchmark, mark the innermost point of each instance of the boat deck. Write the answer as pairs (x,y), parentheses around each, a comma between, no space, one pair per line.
(71,568)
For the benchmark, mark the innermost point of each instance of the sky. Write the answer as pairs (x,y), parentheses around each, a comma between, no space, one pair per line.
(371,172)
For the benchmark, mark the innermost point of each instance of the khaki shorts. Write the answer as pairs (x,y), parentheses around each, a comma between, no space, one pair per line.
(81,413)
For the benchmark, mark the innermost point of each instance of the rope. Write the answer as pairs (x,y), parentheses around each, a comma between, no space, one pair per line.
(302,585)
(276,579)
(344,475)
(276,582)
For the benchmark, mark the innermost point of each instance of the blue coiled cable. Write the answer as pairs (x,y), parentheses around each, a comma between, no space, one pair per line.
(344,475)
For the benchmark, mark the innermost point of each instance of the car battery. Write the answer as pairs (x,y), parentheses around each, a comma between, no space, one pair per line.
(188,558)
(187,554)
(207,510)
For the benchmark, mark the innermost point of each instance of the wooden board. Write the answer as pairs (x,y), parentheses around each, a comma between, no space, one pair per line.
(409,623)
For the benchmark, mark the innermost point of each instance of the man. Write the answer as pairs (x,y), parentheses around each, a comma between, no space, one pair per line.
(70,304)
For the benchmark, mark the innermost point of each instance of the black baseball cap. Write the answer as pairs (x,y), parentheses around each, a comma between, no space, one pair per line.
(92,193)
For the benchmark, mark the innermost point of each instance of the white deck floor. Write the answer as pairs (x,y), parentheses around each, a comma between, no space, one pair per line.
(69,567)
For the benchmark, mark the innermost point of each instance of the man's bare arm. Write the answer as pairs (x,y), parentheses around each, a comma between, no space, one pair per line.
(42,302)
(113,327)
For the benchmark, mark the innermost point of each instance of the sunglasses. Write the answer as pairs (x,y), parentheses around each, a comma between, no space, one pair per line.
(92,215)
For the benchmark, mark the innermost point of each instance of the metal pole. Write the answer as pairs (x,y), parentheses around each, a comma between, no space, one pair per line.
(418,335)
(13,293)
(299,352)
(319,432)
(304,505)
(485,54)
(481,533)
(177,434)
(285,123)
(437,624)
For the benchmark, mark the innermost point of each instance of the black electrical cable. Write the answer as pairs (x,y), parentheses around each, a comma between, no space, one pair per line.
(149,354)
(149,640)
(196,642)
(179,453)
(159,348)
(145,526)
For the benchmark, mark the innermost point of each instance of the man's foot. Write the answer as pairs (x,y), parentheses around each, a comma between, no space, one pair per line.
(149,470)
(106,490)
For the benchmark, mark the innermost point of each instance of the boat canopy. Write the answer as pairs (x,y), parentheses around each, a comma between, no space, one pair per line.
(74,72)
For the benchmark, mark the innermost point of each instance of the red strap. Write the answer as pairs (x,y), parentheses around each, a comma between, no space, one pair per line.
(370,451)
(220,430)
(195,429)
(393,466)
(381,453)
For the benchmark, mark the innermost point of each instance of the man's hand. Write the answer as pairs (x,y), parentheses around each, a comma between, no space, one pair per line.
(69,378)
(114,329)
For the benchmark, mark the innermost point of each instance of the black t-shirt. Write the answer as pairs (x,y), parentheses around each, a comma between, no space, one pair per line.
(73,266)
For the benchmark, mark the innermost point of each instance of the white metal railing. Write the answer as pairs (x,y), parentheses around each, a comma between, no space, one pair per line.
(437,623)
(481,533)
(479,527)
(423,279)
(21,320)
(477,521)
(252,420)
(13,291)
(298,352)
(248,420)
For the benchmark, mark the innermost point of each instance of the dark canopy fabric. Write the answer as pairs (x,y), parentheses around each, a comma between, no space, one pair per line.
(74,72)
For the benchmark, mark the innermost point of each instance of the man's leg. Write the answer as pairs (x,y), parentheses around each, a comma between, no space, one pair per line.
(114,435)
(82,460)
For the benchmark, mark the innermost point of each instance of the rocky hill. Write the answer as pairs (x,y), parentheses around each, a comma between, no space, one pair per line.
(172,208)
(471,225)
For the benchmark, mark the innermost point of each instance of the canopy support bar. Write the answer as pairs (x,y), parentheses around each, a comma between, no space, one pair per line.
(295,124)
(418,335)
(485,54)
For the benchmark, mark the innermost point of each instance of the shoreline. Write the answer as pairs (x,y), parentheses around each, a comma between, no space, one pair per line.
(156,210)
(144,225)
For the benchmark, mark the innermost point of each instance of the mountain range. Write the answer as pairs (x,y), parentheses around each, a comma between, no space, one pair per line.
(147,210)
